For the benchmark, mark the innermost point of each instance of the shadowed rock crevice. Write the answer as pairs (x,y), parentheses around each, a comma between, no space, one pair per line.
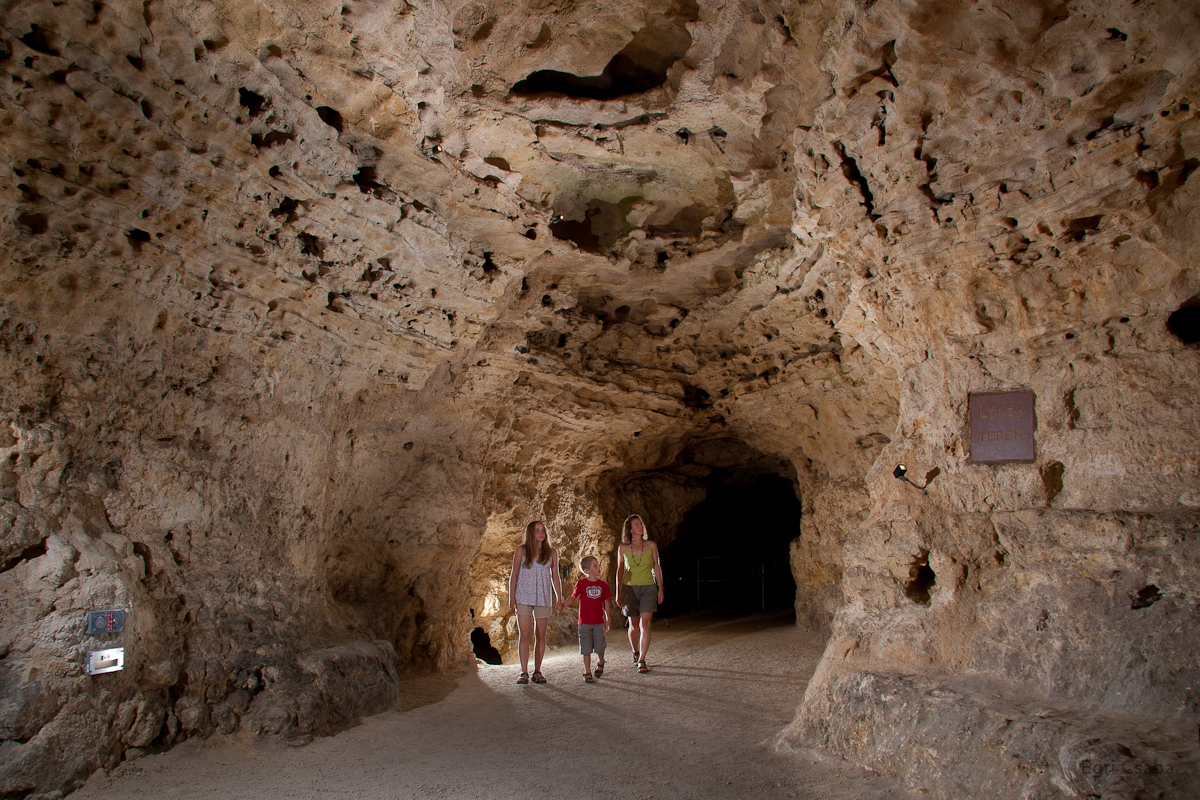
(1184,322)
(640,66)
(921,579)
(599,226)
(853,174)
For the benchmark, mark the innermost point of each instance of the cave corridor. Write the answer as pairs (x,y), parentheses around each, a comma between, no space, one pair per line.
(307,309)
(731,552)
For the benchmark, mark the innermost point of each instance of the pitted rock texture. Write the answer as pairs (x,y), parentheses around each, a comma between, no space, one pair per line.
(308,308)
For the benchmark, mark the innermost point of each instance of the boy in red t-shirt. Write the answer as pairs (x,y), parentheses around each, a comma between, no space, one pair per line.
(593,595)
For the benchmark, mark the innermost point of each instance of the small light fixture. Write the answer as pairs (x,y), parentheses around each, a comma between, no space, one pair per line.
(556,218)
(900,473)
(432,149)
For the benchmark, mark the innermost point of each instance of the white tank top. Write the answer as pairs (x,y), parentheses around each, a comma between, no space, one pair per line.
(534,587)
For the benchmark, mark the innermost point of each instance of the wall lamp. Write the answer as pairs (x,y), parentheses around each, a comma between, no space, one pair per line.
(900,473)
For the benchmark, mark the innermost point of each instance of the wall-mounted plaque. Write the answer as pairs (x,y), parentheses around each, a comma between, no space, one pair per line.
(101,661)
(1001,427)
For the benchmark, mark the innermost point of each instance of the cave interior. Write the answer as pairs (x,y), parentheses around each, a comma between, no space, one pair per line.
(309,308)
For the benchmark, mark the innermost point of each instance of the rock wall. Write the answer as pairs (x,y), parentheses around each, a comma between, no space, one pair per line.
(309,307)
(1029,617)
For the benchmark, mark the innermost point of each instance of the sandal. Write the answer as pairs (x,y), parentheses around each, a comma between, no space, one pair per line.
(587,678)
(538,677)
(642,668)
(599,669)
(524,679)
(635,657)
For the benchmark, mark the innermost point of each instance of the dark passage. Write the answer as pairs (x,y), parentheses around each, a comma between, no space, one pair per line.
(732,552)
(481,643)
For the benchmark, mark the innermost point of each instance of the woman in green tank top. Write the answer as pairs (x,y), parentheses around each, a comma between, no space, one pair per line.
(639,585)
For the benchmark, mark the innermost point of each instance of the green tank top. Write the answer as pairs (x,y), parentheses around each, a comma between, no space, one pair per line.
(638,568)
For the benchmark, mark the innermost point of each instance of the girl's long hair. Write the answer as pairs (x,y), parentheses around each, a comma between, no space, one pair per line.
(531,545)
(626,535)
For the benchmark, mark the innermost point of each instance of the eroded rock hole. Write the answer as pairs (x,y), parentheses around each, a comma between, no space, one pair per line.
(1145,597)
(367,183)
(33,224)
(136,238)
(577,231)
(1052,481)
(271,138)
(252,101)
(481,645)
(921,579)
(599,227)
(330,117)
(854,175)
(1185,322)
(696,398)
(310,245)
(286,209)
(640,66)
(39,39)
(1080,228)
(28,554)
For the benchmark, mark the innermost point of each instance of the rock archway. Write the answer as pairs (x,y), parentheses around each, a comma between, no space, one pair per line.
(667,481)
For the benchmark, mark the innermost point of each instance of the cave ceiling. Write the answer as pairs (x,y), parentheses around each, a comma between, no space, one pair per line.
(579,237)
(575,238)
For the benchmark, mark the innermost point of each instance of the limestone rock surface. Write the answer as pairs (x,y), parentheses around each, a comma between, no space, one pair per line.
(308,308)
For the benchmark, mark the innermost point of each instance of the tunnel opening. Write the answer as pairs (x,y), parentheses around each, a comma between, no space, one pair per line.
(724,516)
(731,553)
(718,509)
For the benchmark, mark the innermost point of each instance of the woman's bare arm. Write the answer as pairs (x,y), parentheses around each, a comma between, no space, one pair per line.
(657,570)
(554,576)
(512,579)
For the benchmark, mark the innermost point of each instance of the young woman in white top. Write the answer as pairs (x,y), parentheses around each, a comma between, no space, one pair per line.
(533,589)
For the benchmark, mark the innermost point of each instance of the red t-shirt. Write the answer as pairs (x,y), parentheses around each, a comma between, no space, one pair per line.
(592,595)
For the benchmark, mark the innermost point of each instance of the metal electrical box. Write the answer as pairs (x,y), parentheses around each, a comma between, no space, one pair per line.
(101,661)
(105,622)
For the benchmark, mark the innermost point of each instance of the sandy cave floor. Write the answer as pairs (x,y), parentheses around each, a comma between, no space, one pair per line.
(701,725)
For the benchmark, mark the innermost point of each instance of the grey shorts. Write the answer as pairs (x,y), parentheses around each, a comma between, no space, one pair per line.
(591,638)
(637,600)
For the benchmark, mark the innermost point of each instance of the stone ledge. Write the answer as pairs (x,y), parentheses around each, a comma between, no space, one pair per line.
(973,737)
(330,688)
